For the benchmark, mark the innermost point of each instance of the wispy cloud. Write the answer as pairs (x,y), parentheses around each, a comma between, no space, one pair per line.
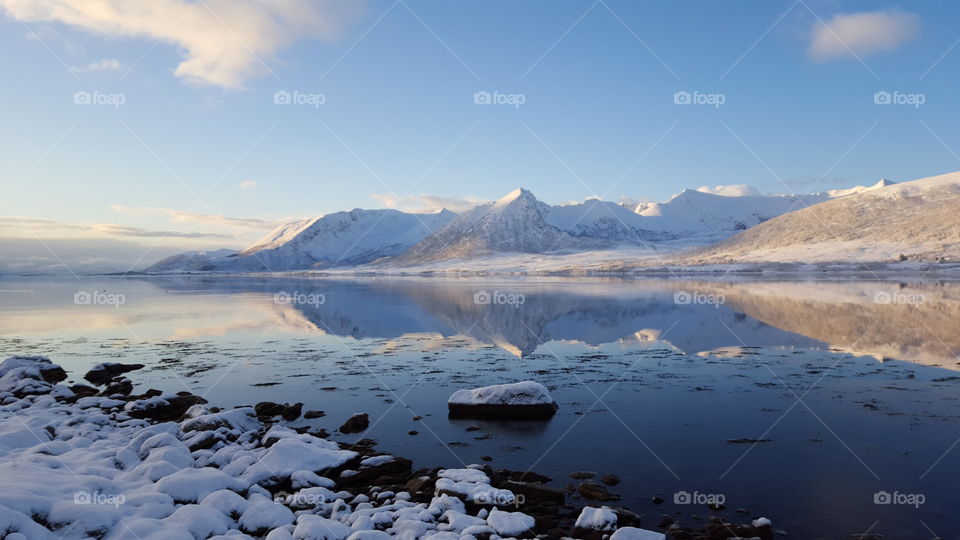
(208,220)
(732,190)
(427,203)
(104,64)
(852,35)
(33,227)
(225,41)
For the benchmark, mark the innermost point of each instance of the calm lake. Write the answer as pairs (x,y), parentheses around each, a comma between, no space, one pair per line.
(830,407)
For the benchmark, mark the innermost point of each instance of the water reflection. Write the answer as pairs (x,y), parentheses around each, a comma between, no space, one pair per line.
(917,322)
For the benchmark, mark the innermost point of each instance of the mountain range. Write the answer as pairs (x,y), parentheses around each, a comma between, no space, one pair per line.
(692,227)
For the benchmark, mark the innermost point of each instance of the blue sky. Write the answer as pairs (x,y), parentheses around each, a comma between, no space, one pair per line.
(199,153)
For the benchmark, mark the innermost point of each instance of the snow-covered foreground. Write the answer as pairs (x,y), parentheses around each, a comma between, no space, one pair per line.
(99,467)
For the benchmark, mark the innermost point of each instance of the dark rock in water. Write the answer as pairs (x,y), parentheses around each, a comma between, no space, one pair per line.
(535,492)
(291,412)
(119,385)
(716,507)
(82,390)
(523,476)
(526,400)
(582,475)
(626,518)
(267,409)
(419,482)
(610,479)
(747,441)
(665,521)
(656,499)
(486,458)
(167,409)
(413,432)
(102,374)
(310,415)
(53,374)
(356,423)
(394,471)
(595,492)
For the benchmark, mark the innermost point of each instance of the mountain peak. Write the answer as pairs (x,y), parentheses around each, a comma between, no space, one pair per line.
(517,194)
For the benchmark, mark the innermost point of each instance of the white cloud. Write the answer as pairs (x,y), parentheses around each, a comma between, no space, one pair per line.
(633,202)
(104,64)
(732,190)
(849,35)
(247,184)
(427,203)
(181,216)
(225,41)
(14,227)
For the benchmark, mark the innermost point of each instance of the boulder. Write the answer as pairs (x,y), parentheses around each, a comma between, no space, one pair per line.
(525,400)
(103,373)
(595,492)
(356,423)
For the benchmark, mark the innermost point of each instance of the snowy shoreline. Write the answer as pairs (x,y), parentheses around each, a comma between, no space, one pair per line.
(80,462)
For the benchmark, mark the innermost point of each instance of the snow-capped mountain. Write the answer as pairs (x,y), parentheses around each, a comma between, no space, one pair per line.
(342,238)
(917,220)
(199,261)
(707,217)
(517,223)
(520,223)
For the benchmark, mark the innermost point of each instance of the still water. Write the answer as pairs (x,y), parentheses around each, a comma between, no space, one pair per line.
(852,386)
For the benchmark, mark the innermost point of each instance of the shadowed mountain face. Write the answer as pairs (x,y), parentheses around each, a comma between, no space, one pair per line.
(917,323)
(918,220)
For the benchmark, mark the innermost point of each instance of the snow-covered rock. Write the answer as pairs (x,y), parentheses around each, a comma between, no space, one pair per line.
(525,399)
(633,533)
(596,519)
(510,523)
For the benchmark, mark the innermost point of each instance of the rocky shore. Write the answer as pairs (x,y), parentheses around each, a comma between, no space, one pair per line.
(98,461)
